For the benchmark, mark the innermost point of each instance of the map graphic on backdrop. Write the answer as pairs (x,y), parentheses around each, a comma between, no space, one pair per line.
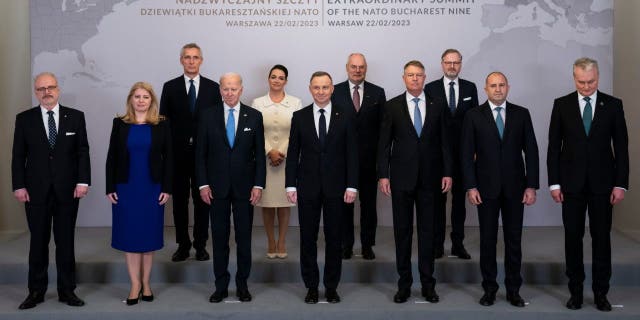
(99,48)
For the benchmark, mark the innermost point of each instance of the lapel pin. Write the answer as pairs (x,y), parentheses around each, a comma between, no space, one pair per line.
(601,103)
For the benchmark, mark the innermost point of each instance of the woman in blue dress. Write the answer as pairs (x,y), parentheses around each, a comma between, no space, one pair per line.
(139,172)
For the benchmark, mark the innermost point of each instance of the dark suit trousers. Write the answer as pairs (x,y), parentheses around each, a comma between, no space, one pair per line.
(309,213)
(458,214)
(368,190)
(40,218)
(183,186)
(221,210)
(574,211)
(511,211)
(403,203)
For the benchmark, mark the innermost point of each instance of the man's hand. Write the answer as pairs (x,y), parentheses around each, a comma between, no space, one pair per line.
(256,194)
(164,197)
(349,196)
(474,196)
(447,183)
(206,195)
(557,195)
(617,195)
(80,191)
(292,196)
(529,196)
(22,195)
(275,157)
(385,186)
(113,197)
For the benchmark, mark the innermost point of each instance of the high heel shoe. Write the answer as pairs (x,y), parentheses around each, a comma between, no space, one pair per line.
(148,298)
(282,255)
(131,302)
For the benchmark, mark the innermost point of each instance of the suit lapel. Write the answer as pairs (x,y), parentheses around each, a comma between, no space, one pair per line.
(219,118)
(309,123)
(335,117)
(507,124)
(242,121)
(599,113)
(37,118)
(575,115)
(405,114)
(491,121)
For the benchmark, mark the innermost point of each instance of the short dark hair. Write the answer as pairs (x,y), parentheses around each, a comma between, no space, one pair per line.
(414,63)
(318,74)
(451,50)
(281,68)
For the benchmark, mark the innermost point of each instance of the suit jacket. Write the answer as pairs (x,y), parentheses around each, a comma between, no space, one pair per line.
(467,99)
(367,119)
(599,160)
(174,104)
(36,167)
(410,160)
(313,170)
(224,168)
(160,155)
(496,166)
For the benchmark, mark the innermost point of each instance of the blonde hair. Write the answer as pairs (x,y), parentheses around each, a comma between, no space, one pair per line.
(153,114)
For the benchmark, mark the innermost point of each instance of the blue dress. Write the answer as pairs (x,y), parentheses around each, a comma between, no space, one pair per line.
(138,219)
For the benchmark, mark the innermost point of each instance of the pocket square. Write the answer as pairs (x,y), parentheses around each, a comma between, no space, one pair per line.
(69,133)
(247,129)
(466,99)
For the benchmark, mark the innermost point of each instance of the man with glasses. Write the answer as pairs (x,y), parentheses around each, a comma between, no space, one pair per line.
(461,96)
(414,164)
(50,173)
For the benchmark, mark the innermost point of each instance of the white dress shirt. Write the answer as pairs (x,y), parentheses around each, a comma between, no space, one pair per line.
(352,87)
(196,83)
(56,117)
(456,89)
(421,105)
(503,112)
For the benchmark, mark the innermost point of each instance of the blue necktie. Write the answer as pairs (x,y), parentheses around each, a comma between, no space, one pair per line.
(322,128)
(417,117)
(192,96)
(587,115)
(499,122)
(452,97)
(53,133)
(231,127)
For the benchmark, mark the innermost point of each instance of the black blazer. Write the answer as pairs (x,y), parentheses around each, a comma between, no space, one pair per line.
(174,104)
(314,171)
(600,159)
(468,99)
(35,167)
(492,165)
(160,155)
(227,169)
(408,160)
(367,120)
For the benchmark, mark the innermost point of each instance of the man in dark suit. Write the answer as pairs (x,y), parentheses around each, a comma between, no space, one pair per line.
(182,100)
(588,170)
(414,161)
(365,101)
(494,137)
(50,173)
(461,96)
(321,176)
(230,170)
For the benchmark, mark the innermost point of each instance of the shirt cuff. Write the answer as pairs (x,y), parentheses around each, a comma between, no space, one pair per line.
(290,189)
(625,190)
(202,187)
(554,187)
(82,184)
(258,187)
(352,190)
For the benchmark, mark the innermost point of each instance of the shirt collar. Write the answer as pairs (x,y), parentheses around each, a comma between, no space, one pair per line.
(227,107)
(447,80)
(352,85)
(327,108)
(493,106)
(55,109)
(410,96)
(593,97)
(196,79)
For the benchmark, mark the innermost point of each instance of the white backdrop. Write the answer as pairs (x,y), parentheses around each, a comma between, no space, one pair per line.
(99,49)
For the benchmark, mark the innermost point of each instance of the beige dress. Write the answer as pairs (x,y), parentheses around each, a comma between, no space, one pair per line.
(277,123)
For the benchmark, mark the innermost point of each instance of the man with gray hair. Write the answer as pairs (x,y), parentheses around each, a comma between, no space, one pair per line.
(230,172)
(588,170)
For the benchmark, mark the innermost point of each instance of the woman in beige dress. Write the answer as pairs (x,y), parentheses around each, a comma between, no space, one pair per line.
(277,108)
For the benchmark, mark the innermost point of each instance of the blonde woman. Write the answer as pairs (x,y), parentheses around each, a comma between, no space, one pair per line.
(139,172)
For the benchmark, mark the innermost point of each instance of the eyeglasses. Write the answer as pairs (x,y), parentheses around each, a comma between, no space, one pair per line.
(43,89)
(452,63)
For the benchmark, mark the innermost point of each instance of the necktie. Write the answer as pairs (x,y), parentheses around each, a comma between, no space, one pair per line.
(322,128)
(499,122)
(356,98)
(452,97)
(417,116)
(53,133)
(587,115)
(192,96)
(231,127)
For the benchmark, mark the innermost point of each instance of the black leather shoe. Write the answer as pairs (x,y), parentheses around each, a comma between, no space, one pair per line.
(312,296)
(332,296)
(347,253)
(218,296)
(402,296)
(367,253)
(460,252)
(575,302)
(202,254)
(515,299)
(70,298)
(180,255)
(32,300)
(243,295)
(430,295)
(131,302)
(148,298)
(601,302)
(438,253)
(488,299)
